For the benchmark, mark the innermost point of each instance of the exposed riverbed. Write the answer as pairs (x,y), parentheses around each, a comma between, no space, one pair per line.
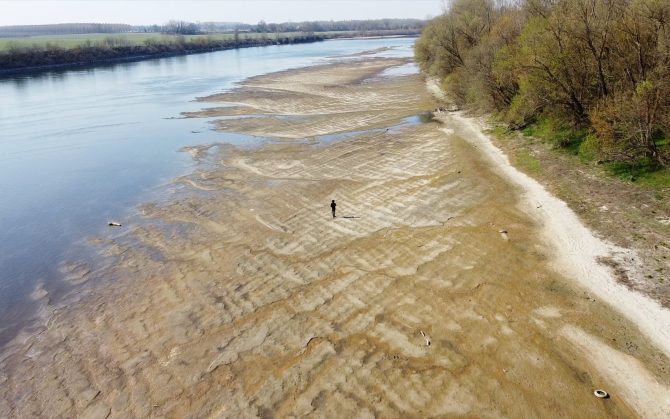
(82,147)
(434,292)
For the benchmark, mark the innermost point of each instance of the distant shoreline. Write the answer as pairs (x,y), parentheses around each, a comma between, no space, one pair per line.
(144,56)
(165,54)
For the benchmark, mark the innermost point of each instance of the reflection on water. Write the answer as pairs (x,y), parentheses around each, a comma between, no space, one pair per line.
(422,118)
(81,147)
(401,70)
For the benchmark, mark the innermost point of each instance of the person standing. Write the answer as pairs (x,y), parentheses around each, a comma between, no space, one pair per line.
(332,207)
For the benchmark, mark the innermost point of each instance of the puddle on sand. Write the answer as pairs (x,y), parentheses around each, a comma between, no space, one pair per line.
(401,70)
(421,118)
(250,141)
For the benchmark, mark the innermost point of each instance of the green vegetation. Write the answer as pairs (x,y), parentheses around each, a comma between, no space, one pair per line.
(369,25)
(643,171)
(140,38)
(556,132)
(127,39)
(89,49)
(589,77)
(32,47)
(190,28)
(527,162)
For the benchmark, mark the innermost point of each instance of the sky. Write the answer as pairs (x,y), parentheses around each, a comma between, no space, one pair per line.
(144,12)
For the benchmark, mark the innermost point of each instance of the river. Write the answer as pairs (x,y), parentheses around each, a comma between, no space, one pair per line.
(81,147)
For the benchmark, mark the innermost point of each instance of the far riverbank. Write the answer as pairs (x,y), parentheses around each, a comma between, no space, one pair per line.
(30,60)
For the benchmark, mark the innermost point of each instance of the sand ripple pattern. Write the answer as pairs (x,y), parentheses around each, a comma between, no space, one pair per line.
(242,297)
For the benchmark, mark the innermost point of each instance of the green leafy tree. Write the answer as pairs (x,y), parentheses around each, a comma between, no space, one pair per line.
(596,67)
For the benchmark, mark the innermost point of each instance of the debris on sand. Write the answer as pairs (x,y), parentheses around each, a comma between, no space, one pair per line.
(601,394)
(426,338)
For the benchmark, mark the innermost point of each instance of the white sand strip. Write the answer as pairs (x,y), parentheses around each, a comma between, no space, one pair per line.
(576,247)
(626,374)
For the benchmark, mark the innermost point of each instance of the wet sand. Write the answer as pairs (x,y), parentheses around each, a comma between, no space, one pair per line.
(435,292)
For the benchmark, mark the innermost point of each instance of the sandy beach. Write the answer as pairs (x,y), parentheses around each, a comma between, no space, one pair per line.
(447,286)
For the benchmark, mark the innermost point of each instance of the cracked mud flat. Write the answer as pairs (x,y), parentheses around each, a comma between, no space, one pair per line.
(242,297)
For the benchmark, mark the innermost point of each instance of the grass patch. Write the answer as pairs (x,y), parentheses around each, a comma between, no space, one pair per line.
(586,146)
(500,131)
(134,39)
(130,39)
(522,157)
(643,171)
(73,41)
(659,178)
(527,162)
(560,134)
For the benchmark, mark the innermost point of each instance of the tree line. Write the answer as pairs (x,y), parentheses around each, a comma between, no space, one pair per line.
(341,25)
(19,56)
(194,28)
(63,29)
(600,68)
(117,49)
